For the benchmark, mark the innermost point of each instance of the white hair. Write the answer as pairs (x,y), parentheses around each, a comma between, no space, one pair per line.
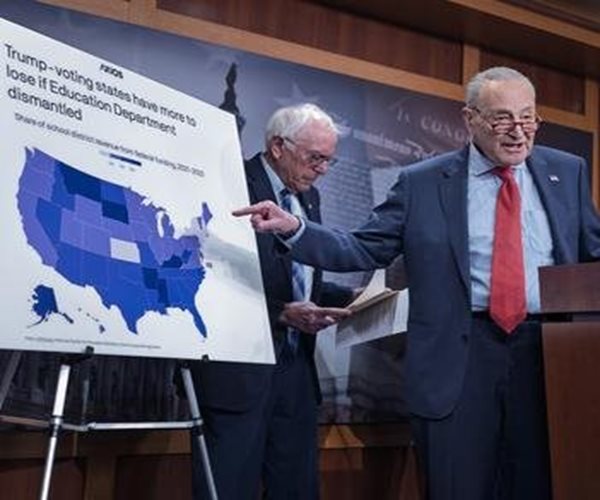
(495,74)
(289,121)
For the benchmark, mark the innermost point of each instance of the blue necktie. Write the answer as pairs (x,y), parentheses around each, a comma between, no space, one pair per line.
(298,285)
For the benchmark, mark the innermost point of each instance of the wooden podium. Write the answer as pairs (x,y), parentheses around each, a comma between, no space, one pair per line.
(572,366)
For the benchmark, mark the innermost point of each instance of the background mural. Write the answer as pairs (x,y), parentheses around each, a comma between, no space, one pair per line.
(383,129)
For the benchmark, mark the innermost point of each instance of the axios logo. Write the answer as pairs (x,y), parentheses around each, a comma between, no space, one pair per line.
(111,71)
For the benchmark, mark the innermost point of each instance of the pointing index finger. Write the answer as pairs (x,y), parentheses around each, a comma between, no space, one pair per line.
(249,210)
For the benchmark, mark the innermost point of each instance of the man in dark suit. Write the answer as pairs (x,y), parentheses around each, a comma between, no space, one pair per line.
(473,366)
(261,420)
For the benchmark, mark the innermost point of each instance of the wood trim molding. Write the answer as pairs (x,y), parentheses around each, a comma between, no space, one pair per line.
(578,12)
(288,51)
(27,444)
(145,13)
(592,112)
(471,62)
(526,17)
(566,118)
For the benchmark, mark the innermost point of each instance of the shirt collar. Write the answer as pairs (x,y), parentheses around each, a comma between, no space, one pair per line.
(479,164)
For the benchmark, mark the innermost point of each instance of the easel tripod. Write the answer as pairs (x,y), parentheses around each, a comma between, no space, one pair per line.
(56,422)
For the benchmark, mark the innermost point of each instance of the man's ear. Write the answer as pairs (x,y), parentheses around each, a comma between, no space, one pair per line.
(468,116)
(275,147)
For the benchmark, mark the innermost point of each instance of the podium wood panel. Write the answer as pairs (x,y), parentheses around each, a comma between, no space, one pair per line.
(570,288)
(572,365)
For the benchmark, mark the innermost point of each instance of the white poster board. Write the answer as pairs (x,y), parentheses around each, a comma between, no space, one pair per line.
(115,200)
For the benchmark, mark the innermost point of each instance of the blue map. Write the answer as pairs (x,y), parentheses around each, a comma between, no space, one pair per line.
(99,234)
(44,304)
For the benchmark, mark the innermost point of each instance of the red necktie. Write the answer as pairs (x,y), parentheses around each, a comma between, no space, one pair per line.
(507,286)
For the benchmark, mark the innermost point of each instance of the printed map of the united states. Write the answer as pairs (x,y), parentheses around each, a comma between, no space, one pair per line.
(99,234)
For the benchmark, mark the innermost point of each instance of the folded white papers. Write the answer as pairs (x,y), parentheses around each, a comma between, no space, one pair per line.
(378,312)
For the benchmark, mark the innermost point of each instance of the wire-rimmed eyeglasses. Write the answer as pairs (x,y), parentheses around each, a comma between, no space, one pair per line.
(311,158)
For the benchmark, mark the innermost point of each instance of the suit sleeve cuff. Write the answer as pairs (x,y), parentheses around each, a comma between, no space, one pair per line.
(289,239)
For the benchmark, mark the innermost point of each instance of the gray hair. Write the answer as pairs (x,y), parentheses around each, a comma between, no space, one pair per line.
(498,73)
(288,121)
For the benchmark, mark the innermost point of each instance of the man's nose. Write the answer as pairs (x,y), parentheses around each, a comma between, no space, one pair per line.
(517,130)
(322,167)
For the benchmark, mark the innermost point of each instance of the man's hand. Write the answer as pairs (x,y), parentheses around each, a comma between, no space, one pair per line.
(310,318)
(268,217)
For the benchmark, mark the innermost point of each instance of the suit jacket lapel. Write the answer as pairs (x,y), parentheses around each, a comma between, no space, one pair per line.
(309,204)
(453,195)
(260,187)
(544,178)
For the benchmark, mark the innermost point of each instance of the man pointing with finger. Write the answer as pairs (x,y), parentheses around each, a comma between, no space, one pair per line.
(261,421)
(473,226)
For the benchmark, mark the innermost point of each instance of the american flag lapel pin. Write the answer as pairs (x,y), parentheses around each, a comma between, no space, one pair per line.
(553,178)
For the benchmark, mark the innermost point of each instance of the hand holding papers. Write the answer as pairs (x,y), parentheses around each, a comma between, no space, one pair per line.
(377,312)
(310,318)
(374,292)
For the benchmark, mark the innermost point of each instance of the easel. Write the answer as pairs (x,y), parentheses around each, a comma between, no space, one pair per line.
(56,422)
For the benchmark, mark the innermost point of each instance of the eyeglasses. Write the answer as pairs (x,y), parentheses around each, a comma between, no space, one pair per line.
(311,158)
(503,123)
